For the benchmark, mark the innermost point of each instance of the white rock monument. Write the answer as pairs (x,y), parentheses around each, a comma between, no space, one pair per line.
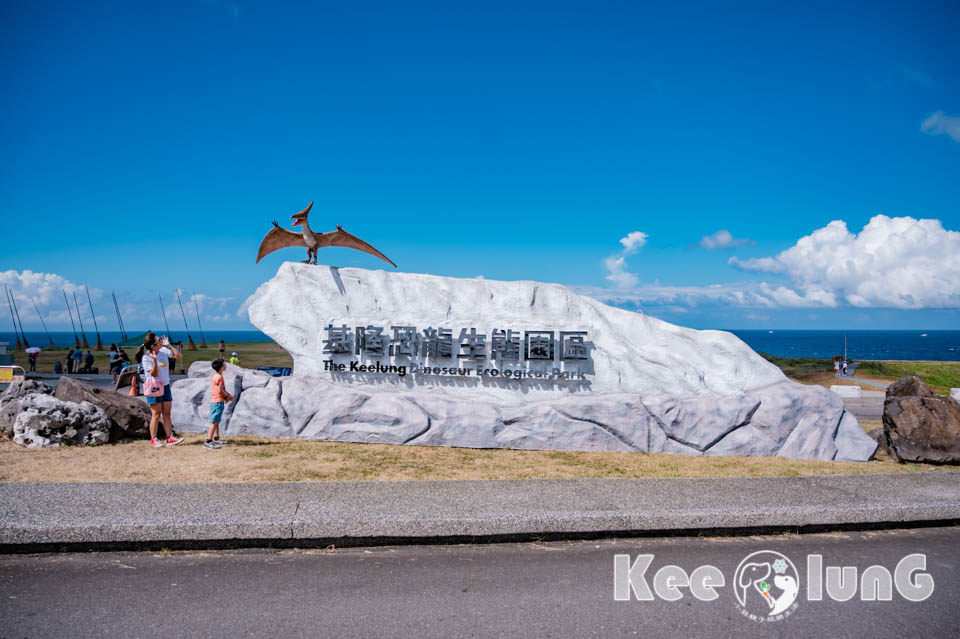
(419,359)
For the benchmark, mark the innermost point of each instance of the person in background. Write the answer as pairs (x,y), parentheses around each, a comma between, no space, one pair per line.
(218,399)
(57,368)
(143,347)
(156,364)
(76,356)
(116,365)
(32,357)
(234,359)
(223,349)
(88,361)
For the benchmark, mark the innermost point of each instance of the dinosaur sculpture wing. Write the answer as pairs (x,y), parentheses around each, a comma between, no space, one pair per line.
(342,238)
(277,239)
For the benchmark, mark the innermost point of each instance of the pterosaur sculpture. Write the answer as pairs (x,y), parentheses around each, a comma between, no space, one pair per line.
(279,238)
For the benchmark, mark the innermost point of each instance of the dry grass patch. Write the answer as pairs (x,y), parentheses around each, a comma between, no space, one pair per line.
(251,459)
(252,355)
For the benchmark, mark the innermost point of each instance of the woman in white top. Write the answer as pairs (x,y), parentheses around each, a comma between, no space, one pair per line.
(156,365)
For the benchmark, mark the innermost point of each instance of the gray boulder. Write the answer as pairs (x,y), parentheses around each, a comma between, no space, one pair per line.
(10,402)
(785,419)
(919,425)
(45,421)
(129,416)
(191,398)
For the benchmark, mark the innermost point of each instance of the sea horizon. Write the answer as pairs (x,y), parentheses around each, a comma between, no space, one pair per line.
(908,345)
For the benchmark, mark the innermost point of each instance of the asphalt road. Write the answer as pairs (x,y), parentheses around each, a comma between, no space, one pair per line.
(508,590)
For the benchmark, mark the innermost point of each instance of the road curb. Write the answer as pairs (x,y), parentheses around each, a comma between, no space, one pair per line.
(42,517)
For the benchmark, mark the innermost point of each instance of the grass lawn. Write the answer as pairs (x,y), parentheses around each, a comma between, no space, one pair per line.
(253,459)
(940,376)
(252,354)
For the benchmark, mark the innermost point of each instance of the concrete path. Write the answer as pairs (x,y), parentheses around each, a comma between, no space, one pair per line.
(48,516)
(852,368)
(528,591)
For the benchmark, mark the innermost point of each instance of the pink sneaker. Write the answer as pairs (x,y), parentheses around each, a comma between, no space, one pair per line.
(173,441)
(156,443)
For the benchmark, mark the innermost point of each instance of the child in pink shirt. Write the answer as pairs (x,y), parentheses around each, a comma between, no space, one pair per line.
(218,398)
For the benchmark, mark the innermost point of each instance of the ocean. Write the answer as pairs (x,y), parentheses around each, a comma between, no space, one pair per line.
(63,339)
(941,346)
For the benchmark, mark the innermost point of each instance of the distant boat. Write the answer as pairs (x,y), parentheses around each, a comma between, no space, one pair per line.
(769,331)
(923,334)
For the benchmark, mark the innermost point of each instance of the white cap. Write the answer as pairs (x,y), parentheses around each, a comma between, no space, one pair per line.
(233,353)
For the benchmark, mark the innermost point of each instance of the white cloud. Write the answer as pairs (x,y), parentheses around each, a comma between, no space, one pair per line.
(764,264)
(618,273)
(723,239)
(746,294)
(139,310)
(899,262)
(941,124)
(633,242)
(617,265)
(893,262)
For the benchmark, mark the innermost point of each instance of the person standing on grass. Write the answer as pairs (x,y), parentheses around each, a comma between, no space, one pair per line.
(156,365)
(115,364)
(218,399)
(223,349)
(234,359)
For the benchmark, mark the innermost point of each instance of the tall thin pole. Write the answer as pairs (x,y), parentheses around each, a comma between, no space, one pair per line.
(164,314)
(6,290)
(116,307)
(191,345)
(76,340)
(83,333)
(94,315)
(203,342)
(44,324)
(16,312)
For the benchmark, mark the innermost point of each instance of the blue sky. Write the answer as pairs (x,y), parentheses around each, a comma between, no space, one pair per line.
(508,140)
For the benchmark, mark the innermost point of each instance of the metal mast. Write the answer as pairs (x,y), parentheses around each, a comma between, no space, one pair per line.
(203,342)
(83,334)
(164,314)
(116,307)
(191,345)
(94,315)
(44,324)
(76,340)
(6,290)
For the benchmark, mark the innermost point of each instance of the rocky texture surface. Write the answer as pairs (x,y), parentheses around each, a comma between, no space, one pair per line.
(628,352)
(44,421)
(785,419)
(129,416)
(919,425)
(645,385)
(10,402)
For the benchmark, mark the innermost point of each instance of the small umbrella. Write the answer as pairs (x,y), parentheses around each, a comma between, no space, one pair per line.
(33,350)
